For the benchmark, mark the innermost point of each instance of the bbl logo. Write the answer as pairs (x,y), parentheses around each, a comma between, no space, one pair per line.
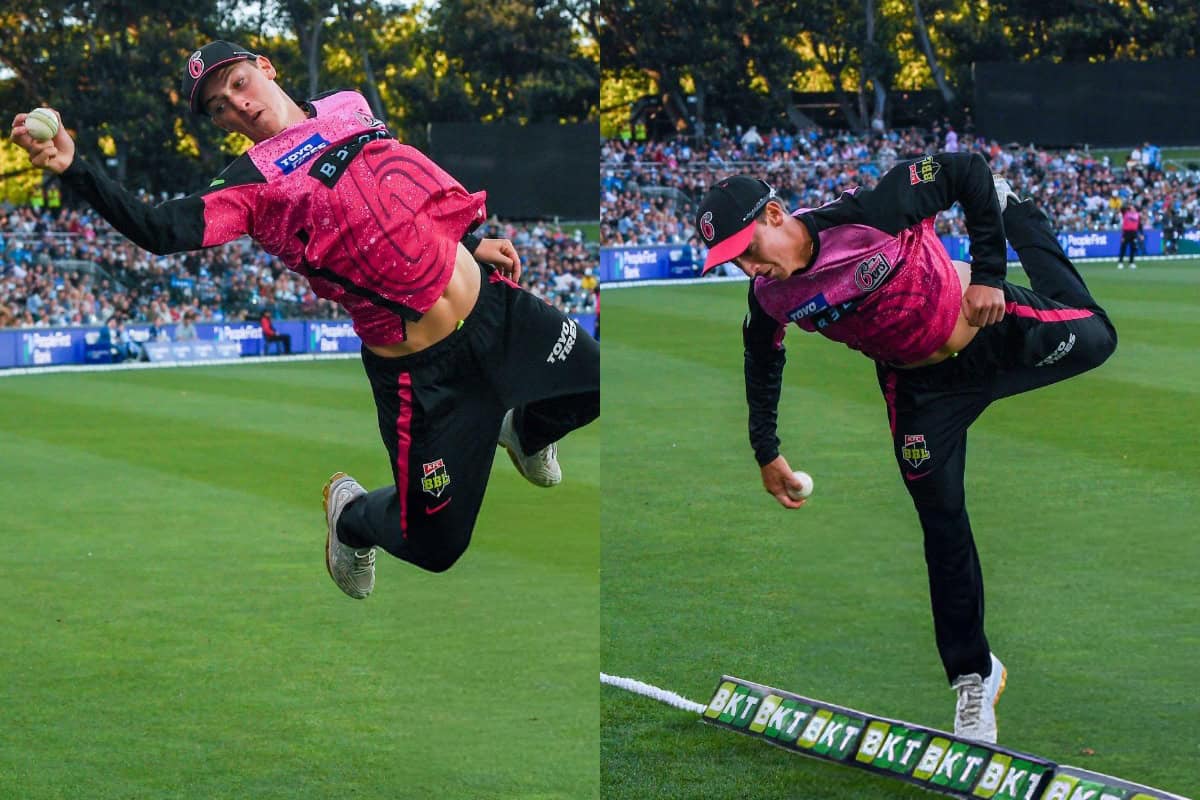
(195,65)
(914,451)
(924,171)
(435,478)
(870,274)
(706,227)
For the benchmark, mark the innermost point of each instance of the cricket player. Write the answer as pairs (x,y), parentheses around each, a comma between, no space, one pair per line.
(458,357)
(947,340)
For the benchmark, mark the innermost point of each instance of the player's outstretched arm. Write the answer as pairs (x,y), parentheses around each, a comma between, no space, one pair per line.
(169,227)
(54,154)
(777,478)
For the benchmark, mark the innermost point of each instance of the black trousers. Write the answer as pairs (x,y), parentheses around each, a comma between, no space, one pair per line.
(1129,243)
(440,412)
(1047,335)
(283,338)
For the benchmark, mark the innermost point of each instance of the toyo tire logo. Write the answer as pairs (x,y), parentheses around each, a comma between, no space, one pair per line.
(301,153)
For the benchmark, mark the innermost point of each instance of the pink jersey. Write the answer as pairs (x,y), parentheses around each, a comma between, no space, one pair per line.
(373,224)
(895,298)
(1131,220)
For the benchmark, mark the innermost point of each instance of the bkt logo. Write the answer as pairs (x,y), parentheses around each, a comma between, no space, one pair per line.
(301,153)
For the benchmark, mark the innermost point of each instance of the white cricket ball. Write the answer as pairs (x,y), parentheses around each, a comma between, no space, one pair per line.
(42,124)
(806,486)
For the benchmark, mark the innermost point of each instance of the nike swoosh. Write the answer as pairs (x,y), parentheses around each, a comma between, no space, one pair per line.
(913,476)
(438,507)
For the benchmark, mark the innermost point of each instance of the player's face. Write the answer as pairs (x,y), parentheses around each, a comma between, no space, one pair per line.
(773,252)
(244,98)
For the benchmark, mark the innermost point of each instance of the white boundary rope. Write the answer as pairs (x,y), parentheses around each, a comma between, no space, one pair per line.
(653,692)
(732,278)
(215,362)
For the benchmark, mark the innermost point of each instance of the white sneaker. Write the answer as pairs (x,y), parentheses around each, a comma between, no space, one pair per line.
(975,714)
(1004,191)
(540,468)
(352,570)
(1120,265)
(1132,265)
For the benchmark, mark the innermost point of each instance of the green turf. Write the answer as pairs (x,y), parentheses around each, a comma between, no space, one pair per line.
(1083,497)
(170,631)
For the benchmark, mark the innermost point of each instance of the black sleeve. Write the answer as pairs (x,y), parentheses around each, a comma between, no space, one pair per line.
(471,242)
(175,225)
(914,191)
(764,360)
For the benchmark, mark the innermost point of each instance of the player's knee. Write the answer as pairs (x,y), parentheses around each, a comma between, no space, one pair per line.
(1101,344)
(445,556)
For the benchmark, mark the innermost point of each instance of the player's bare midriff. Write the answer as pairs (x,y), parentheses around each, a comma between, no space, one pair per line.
(963,331)
(455,304)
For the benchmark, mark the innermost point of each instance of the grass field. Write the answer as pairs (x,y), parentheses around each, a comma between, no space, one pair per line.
(170,631)
(1083,498)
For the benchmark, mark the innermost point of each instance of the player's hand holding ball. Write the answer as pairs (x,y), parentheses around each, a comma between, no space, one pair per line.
(41,134)
(790,488)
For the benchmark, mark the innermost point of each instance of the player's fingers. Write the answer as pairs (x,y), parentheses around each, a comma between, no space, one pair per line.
(44,157)
(21,138)
(788,502)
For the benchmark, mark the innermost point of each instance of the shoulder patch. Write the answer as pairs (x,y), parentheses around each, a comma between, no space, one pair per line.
(923,171)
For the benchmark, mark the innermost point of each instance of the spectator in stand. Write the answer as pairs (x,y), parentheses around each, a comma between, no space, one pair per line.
(649,201)
(272,336)
(751,141)
(186,330)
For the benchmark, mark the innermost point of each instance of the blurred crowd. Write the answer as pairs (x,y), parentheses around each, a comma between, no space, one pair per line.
(649,189)
(68,267)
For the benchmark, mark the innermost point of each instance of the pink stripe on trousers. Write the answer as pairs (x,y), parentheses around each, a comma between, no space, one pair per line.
(403,447)
(1047,314)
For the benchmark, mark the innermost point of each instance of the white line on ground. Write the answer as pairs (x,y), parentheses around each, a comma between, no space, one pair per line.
(653,692)
(216,362)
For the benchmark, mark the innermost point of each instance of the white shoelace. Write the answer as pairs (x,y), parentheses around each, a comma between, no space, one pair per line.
(547,453)
(970,700)
(364,560)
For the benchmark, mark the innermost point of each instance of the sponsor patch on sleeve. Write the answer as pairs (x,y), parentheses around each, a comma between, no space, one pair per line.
(924,171)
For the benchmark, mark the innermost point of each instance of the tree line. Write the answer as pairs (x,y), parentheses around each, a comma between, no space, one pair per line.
(113,69)
(746,58)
